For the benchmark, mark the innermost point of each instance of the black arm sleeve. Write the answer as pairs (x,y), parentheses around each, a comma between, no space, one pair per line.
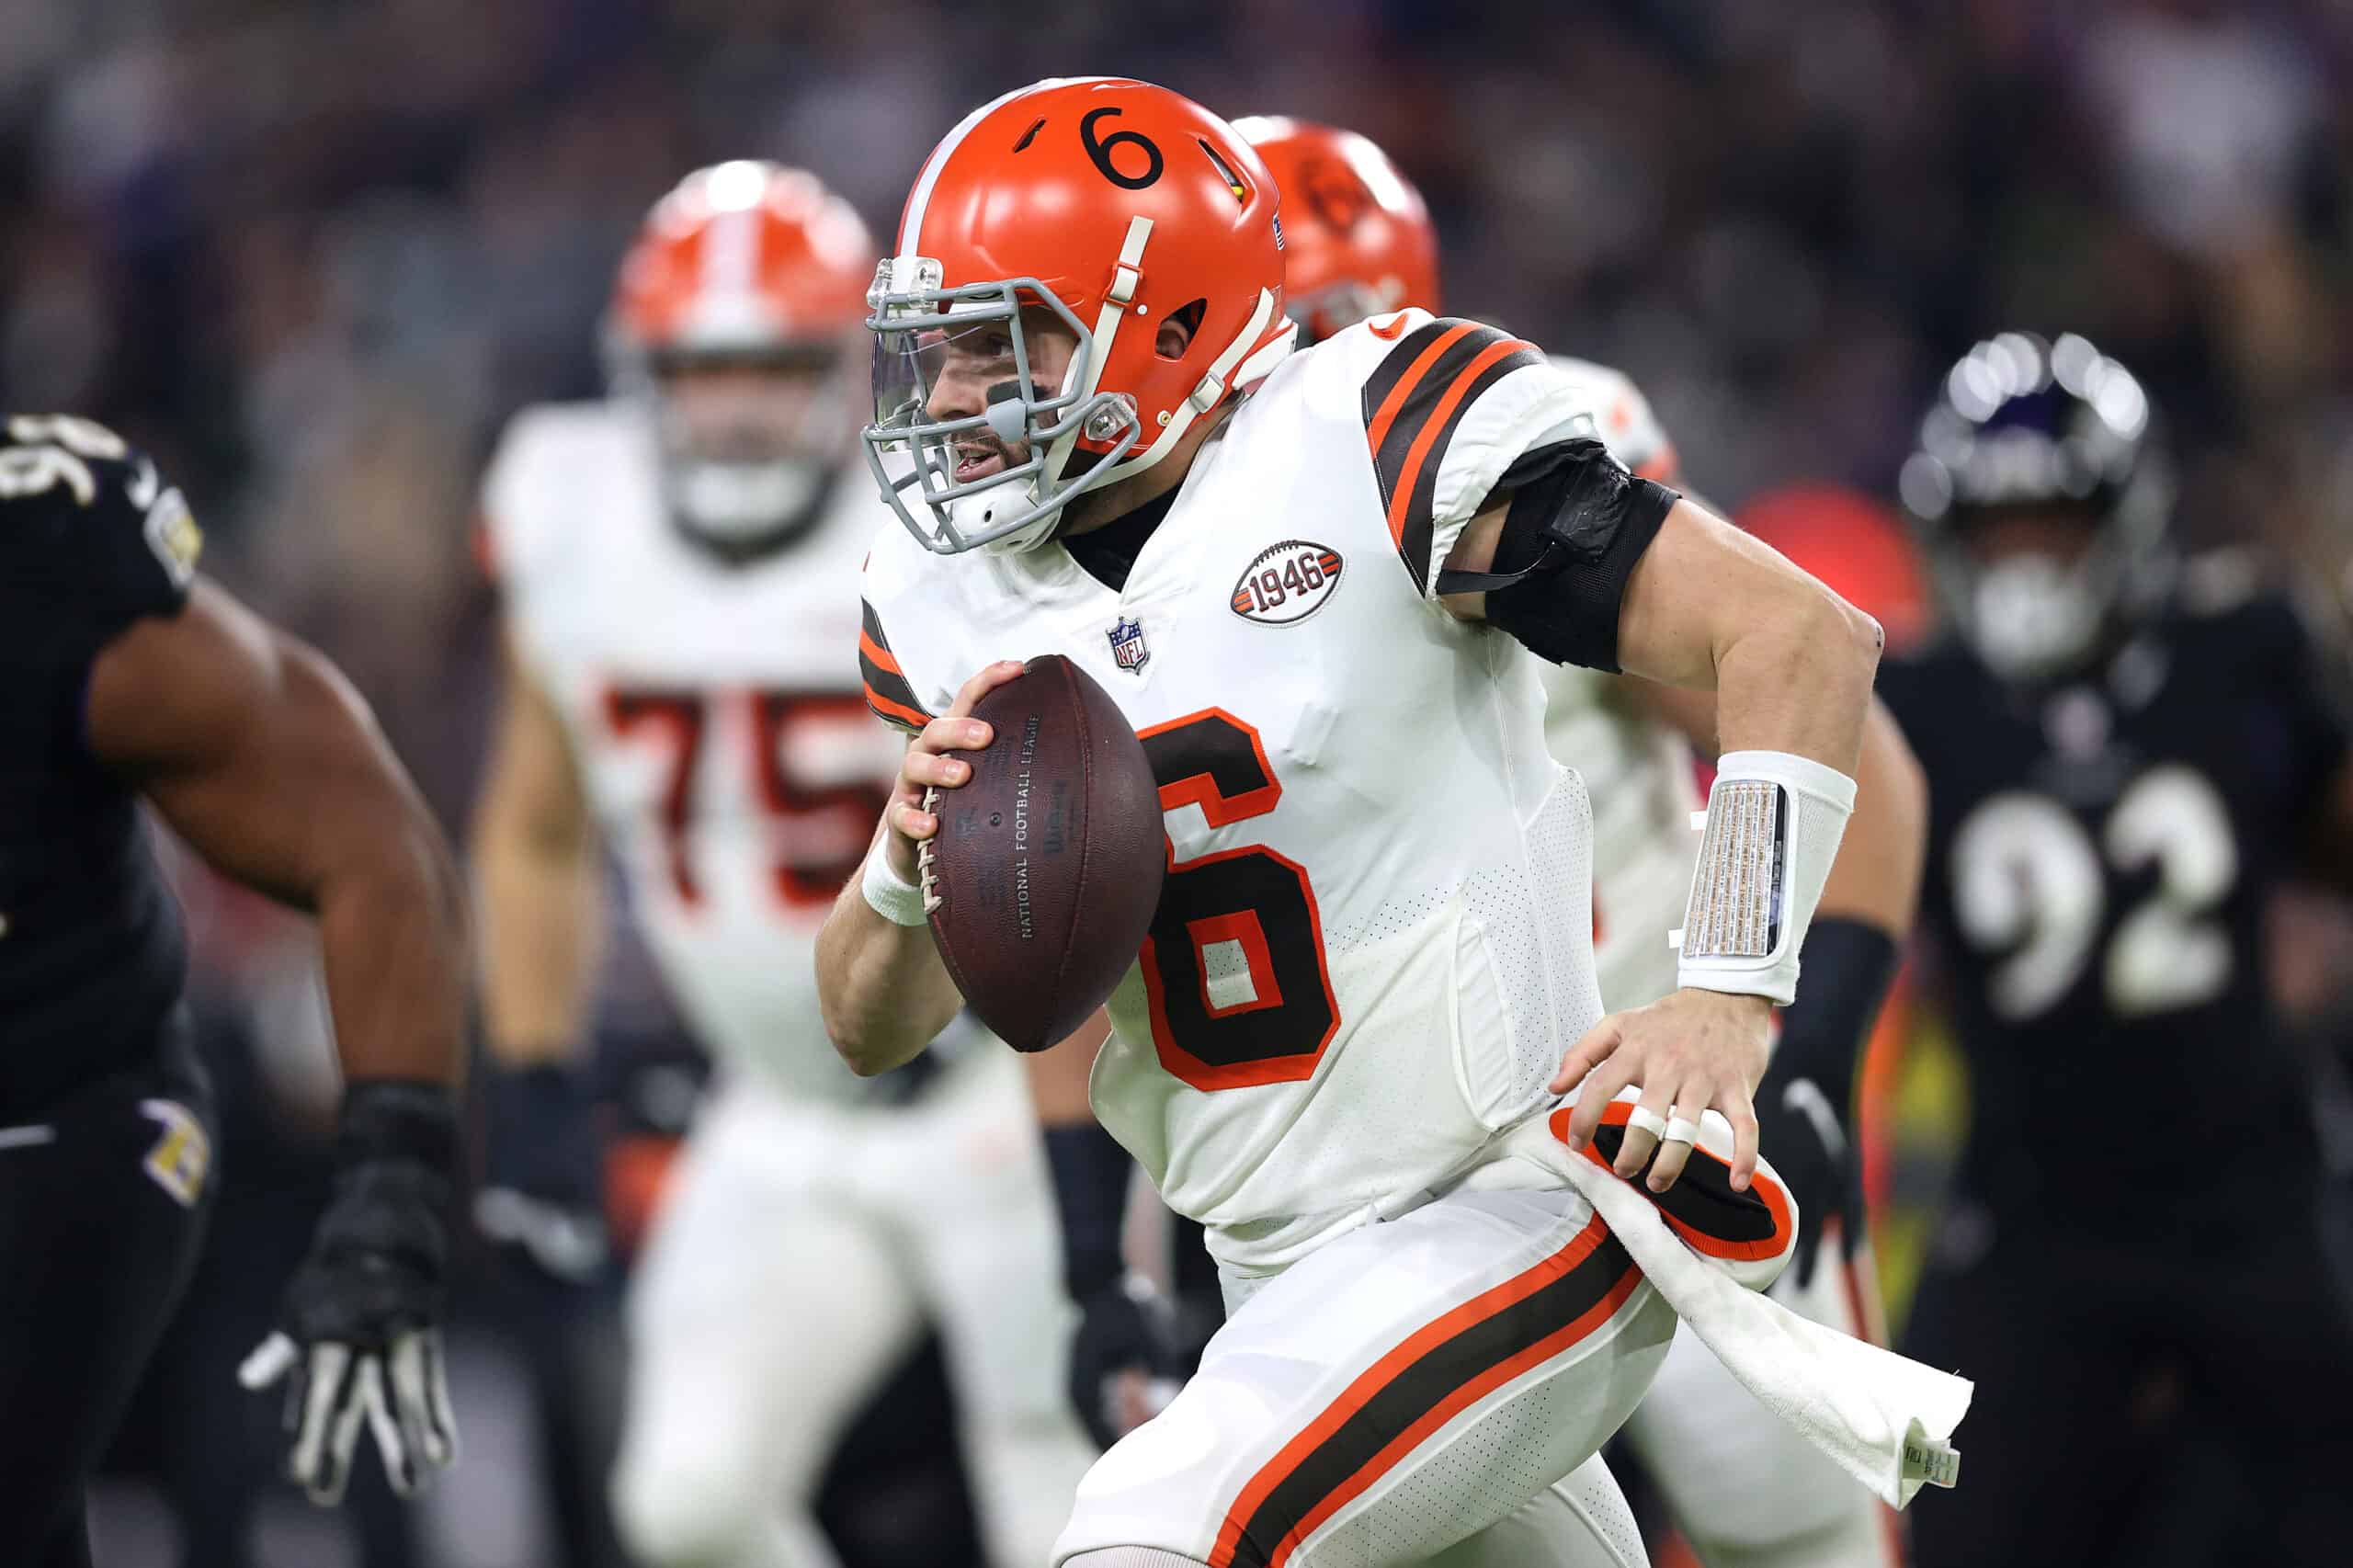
(1848,967)
(1578,525)
(1091,1173)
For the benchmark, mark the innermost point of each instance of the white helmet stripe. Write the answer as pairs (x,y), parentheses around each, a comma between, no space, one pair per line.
(911,227)
(731,252)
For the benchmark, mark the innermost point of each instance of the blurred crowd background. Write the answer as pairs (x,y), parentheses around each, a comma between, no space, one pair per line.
(312,253)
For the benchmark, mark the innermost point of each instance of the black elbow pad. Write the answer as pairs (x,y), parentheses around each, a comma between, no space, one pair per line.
(1578,524)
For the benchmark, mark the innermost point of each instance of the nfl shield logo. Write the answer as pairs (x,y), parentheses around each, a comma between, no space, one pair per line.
(1128,649)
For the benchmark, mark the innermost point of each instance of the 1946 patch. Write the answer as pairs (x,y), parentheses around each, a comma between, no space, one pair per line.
(1286,583)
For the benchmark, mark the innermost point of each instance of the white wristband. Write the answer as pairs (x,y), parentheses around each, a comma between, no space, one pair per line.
(1772,829)
(887,894)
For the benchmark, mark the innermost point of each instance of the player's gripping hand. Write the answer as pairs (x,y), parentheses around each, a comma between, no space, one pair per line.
(1689,1051)
(925,768)
(358,1338)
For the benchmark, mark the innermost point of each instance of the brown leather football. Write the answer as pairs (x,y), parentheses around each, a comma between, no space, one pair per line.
(1047,866)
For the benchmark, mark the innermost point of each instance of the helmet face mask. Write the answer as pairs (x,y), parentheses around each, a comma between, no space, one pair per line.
(1097,211)
(751,443)
(2042,498)
(922,331)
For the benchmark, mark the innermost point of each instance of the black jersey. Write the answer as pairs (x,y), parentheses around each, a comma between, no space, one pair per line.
(2100,856)
(91,952)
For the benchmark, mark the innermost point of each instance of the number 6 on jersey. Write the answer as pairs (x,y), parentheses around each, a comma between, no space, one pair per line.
(1233,969)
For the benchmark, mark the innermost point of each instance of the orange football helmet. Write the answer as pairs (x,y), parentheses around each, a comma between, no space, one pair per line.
(1117,206)
(1359,237)
(736,314)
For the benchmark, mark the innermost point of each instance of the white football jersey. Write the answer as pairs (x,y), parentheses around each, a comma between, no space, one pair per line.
(715,715)
(1639,771)
(1373,947)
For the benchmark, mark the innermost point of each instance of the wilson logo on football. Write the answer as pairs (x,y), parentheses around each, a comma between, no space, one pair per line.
(1286,583)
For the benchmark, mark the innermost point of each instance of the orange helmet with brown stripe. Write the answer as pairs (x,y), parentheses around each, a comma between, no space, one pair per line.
(736,315)
(1357,236)
(1116,206)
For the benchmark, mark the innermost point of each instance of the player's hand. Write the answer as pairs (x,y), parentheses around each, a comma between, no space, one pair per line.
(358,1338)
(925,768)
(1816,1164)
(541,1200)
(1122,1371)
(1691,1052)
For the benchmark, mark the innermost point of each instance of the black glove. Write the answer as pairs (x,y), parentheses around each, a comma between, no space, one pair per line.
(1807,1142)
(1124,1362)
(359,1337)
(541,1200)
(1803,1104)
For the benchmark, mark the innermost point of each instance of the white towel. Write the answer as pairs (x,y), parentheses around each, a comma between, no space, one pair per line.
(1885,1419)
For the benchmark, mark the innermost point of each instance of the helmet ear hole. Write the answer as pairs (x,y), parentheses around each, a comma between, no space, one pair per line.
(1178,328)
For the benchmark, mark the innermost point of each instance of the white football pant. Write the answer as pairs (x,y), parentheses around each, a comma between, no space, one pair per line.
(1397,1392)
(794,1264)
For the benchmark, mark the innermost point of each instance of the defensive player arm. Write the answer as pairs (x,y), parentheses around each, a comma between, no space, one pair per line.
(537,869)
(263,760)
(884,991)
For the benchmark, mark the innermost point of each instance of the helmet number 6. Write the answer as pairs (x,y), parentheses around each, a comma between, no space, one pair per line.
(1101,151)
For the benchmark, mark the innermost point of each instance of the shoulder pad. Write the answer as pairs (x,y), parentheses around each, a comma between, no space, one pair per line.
(83,505)
(1447,405)
(543,454)
(907,682)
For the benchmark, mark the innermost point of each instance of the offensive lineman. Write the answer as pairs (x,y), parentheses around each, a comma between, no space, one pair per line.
(680,571)
(2131,748)
(1373,954)
(1745,1489)
(131,677)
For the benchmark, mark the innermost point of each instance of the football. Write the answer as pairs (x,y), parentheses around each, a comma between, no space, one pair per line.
(1041,881)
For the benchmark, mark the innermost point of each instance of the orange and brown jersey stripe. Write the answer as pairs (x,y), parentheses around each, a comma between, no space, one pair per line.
(1438,1373)
(1701,1207)
(1414,403)
(887,689)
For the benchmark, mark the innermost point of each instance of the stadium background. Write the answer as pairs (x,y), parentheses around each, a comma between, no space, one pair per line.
(312,255)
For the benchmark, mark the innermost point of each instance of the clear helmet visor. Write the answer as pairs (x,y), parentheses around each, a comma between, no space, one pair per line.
(975,422)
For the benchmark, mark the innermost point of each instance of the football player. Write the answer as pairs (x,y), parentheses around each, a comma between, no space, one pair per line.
(133,677)
(1745,1489)
(680,564)
(1312,581)
(2131,749)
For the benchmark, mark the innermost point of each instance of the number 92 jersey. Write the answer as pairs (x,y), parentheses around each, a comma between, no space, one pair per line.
(2100,858)
(714,715)
(1374,944)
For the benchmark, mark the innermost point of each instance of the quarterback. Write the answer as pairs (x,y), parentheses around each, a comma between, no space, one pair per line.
(680,564)
(1313,581)
(1745,1489)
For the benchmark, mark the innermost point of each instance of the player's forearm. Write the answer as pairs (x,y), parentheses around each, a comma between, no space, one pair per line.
(1799,680)
(393,930)
(541,914)
(1876,879)
(883,990)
